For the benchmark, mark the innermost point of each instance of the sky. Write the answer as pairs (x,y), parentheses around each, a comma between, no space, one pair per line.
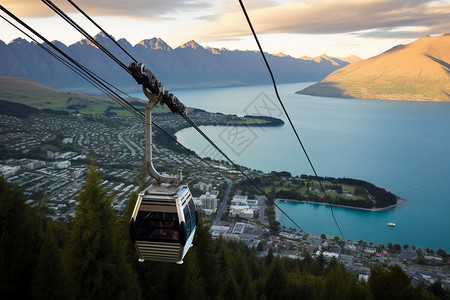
(337,28)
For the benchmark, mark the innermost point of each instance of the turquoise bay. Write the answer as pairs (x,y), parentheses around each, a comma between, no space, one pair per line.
(401,146)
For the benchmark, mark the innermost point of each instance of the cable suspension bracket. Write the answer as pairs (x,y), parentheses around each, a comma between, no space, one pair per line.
(155,93)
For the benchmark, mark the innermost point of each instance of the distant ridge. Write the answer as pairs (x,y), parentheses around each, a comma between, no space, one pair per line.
(189,65)
(419,71)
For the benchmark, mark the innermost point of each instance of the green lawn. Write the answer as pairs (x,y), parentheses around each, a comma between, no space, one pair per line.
(289,186)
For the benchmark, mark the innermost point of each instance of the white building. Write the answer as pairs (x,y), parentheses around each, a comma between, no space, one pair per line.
(364,277)
(66,155)
(8,171)
(241,211)
(33,164)
(198,203)
(204,187)
(217,231)
(239,200)
(209,201)
(330,255)
(67,140)
(239,228)
(61,164)
(252,202)
(240,207)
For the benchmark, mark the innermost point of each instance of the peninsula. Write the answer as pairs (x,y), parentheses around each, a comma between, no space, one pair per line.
(343,192)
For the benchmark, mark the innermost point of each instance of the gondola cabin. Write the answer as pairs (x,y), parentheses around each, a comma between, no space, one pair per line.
(164,219)
(163,223)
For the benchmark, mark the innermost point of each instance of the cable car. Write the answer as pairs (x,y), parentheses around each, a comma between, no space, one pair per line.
(163,223)
(164,219)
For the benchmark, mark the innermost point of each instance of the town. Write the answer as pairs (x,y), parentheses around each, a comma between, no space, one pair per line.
(46,155)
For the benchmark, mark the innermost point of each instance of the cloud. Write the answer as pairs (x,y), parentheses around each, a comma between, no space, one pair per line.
(122,8)
(214,20)
(370,17)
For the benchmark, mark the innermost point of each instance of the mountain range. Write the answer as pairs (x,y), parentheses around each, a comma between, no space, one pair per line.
(187,66)
(419,71)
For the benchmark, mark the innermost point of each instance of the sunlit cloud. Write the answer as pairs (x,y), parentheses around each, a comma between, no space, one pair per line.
(331,17)
(123,8)
(224,19)
(287,25)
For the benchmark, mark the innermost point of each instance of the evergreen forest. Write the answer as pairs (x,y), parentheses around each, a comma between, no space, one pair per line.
(92,257)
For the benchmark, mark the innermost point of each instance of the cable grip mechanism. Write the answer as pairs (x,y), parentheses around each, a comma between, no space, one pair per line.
(148,80)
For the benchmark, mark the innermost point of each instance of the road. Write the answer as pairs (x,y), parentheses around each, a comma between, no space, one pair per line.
(262,207)
(125,142)
(223,206)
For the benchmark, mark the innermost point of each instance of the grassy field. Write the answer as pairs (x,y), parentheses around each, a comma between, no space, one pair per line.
(303,189)
(252,121)
(19,90)
(39,96)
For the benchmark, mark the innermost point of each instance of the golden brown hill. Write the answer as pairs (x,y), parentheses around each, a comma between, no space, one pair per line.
(419,71)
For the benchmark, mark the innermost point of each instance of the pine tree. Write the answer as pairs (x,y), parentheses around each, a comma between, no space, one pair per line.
(390,283)
(336,283)
(241,272)
(155,279)
(207,259)
(19,242)
(276,282)
(192,285)
(48,281)
(96,262)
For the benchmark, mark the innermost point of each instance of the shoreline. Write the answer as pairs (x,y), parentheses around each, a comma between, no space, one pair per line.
(399,202)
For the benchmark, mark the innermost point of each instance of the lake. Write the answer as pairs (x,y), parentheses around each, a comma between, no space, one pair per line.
(401,146)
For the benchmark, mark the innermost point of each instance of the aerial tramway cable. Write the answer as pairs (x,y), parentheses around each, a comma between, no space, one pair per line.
(184,116)
(88,73)
(287,115)
(240,170)
(98,26)
(85,33)
(123,102)
(57,57)
(103,89)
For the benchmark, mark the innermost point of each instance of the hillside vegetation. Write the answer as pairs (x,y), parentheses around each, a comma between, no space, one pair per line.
(39,96)
(419,71)
(93,258)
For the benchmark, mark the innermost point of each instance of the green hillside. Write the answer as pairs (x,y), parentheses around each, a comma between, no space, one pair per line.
(23,91)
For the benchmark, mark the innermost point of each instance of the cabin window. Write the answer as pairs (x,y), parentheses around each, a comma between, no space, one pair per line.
(187,219)
(157,226)
(193,215)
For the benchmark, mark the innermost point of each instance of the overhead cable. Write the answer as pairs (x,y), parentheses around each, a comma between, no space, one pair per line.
(137,112)
(103,89)
(239,169)
(287,115)
(98,26)
(88,73)
(147,79)
(83,32)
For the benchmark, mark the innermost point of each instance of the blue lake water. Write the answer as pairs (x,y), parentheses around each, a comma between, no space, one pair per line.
(398,145)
